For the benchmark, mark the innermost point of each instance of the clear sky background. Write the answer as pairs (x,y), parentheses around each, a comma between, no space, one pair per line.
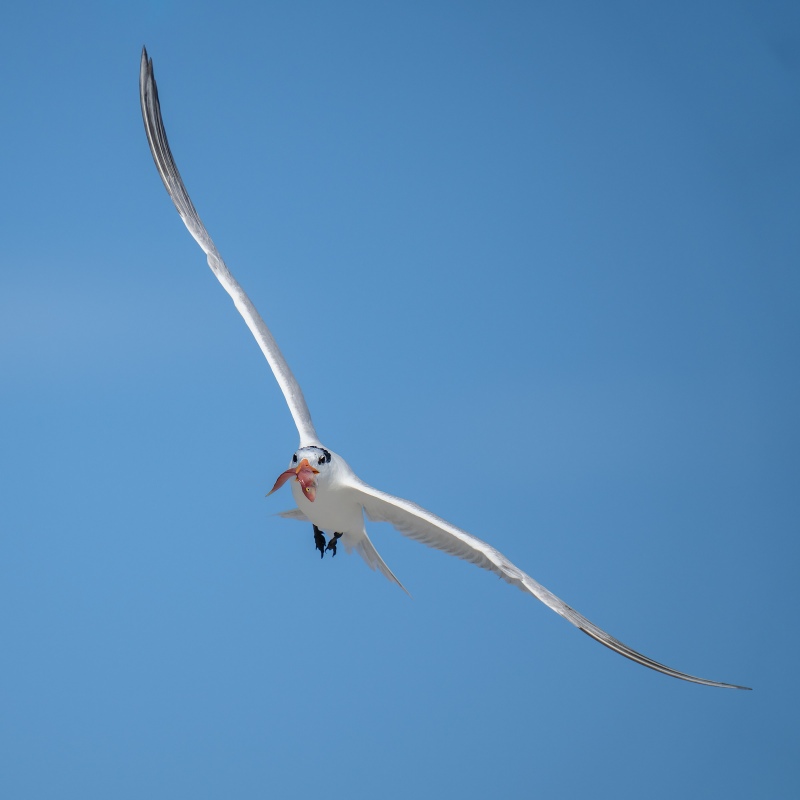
(535,266)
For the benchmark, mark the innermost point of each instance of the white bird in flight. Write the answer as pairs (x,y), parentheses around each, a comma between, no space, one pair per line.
(327,491)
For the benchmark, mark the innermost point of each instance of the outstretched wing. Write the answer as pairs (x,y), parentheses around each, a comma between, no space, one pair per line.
(417,523)
(162,155)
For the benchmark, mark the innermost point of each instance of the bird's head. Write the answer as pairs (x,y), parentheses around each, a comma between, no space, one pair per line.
(309,464)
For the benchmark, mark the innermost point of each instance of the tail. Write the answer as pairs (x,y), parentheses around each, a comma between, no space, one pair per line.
(368,552)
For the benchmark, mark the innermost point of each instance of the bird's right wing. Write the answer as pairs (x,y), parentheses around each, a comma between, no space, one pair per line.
(417,523)
(162,155)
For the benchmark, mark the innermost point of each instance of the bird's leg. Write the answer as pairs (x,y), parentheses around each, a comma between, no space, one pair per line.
(319,541)
(332,543)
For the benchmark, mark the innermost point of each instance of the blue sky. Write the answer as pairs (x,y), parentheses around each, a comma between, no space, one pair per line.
(536,268)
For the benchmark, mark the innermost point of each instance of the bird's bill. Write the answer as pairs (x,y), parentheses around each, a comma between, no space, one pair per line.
(304,474)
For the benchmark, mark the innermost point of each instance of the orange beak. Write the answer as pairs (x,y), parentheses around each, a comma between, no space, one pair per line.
(304,474)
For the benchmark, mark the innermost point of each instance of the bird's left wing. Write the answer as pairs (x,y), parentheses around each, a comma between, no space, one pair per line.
(162,155)
(417,523)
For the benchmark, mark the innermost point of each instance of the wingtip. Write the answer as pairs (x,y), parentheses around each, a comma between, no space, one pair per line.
(145,71)
(729,686)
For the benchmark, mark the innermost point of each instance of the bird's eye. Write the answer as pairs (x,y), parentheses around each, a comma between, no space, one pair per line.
(294,458)
(321,460)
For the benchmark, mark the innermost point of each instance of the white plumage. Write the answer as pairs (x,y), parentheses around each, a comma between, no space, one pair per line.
(327,491)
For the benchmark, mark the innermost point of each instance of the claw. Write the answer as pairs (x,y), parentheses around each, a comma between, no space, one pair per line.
(332,543)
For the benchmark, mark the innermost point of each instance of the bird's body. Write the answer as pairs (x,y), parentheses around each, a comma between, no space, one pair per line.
(327,491)
(334,509)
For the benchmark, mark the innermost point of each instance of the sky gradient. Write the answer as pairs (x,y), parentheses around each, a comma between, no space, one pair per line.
(535,266)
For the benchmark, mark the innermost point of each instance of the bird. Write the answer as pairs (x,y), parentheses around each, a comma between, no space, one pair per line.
(327,492)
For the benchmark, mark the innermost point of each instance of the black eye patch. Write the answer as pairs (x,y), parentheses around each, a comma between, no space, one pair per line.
(324,458)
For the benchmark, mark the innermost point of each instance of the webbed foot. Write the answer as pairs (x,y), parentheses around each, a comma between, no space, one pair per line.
(319,541)
(332,543)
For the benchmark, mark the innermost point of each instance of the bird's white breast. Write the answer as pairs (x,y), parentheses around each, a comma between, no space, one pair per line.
(334,510)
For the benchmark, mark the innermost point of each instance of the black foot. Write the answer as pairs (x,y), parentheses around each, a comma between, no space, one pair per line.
(319,541)
(332,543)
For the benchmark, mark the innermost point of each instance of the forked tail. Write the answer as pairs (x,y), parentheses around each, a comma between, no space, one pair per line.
(368,552)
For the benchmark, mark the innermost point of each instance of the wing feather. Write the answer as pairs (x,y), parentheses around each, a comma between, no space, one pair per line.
(423,526)
(162,155)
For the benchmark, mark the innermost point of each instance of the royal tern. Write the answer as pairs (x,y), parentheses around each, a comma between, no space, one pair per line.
(328,493)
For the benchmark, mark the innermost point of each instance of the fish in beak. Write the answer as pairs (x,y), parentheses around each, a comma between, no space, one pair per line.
(304,474)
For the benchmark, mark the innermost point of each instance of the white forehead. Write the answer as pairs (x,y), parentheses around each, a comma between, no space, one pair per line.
(314,455)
